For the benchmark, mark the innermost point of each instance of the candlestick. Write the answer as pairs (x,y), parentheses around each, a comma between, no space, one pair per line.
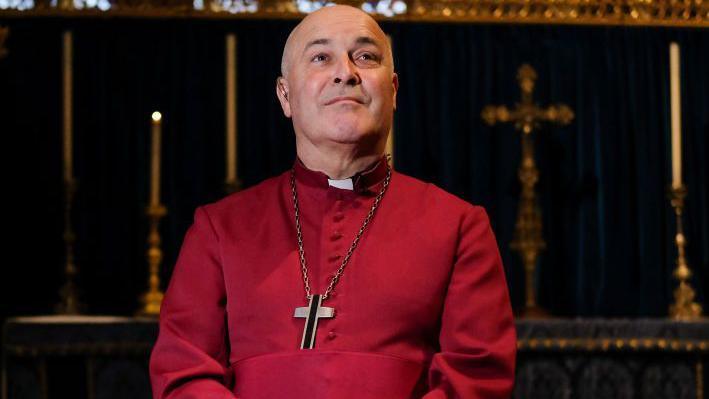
(155,159)
(676,116)
(69,296)
(151,300)
(684,307)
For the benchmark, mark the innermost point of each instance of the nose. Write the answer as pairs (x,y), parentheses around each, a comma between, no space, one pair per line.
(346,72)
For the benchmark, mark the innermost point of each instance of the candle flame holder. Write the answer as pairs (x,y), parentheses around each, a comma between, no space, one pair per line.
(152,298)
(684,306)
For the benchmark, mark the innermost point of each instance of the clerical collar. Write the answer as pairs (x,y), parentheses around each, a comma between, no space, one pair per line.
(345,184)
(361,181)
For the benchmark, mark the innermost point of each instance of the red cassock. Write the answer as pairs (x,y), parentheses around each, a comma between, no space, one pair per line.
(421,311)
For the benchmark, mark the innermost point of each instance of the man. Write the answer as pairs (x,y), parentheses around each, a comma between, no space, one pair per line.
(341,278)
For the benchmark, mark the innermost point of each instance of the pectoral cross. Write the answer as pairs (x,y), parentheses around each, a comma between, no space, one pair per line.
(312,313)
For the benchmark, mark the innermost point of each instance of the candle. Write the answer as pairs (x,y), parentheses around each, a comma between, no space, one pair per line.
(155,160)
(67,126)
(231,145)
(676,116)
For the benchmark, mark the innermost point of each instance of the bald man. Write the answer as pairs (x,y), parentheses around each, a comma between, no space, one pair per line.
(340,278)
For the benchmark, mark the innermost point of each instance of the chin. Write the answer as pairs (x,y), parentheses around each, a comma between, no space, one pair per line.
(349,133)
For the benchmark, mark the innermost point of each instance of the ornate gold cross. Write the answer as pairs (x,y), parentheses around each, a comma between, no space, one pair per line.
(527,116)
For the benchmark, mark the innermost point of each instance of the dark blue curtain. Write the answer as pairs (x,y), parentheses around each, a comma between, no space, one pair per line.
(607,221)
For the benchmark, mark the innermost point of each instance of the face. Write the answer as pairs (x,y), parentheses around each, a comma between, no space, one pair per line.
(338,85)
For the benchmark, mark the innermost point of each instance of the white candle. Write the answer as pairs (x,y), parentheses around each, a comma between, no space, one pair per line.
(67,126)
(676,116)
(231,145)
(155,160)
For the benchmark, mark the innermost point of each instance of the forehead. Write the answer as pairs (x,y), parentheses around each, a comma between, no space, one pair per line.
(345,27)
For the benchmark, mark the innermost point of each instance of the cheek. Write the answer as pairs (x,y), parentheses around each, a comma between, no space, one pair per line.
(308,98)
(380,90)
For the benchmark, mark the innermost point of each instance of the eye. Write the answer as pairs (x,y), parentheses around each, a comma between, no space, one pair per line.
(367,58)
(319,58)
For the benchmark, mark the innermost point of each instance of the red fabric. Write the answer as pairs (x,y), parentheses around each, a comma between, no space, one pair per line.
(422,309)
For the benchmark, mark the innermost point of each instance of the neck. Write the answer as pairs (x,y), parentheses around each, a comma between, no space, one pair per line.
(337,163)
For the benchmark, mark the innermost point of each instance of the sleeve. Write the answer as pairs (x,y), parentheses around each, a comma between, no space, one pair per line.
(190,358)
(477,337)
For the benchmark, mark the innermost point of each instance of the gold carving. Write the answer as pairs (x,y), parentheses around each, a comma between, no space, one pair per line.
(684,13)
(684,306)
(4,33)
(620,344)
(152,299)
(526,117)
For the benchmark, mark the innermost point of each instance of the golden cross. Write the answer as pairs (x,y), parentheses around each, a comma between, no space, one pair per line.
(527,116)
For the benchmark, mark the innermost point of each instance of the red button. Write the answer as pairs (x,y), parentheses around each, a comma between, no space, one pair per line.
(333,258)
(331,335)
(338,217)
(336,236)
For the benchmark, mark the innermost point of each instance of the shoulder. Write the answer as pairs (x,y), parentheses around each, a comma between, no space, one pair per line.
(245,204)
(428,197)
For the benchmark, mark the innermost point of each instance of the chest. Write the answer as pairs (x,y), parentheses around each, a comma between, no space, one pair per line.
(392,287)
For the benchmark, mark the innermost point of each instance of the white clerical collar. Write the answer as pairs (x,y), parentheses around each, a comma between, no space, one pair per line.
(345,184)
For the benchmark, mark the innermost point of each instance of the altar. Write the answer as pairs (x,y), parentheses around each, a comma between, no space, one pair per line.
(107,358)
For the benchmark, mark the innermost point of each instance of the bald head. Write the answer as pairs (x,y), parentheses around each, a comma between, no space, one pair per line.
(303,34)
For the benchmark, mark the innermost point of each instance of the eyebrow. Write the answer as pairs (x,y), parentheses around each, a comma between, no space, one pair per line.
(359,40)
(316,42)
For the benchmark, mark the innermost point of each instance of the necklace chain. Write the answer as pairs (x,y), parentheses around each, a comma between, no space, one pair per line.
(348,255)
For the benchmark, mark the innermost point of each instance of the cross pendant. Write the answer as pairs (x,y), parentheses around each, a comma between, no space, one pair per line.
(311,314)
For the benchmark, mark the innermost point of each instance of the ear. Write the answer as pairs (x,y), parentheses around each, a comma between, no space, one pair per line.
(395,85)
(282,94)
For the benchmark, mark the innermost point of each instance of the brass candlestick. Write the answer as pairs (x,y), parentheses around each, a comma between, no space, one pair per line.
(684,307)
(152,298)
(68,294)
(527,116)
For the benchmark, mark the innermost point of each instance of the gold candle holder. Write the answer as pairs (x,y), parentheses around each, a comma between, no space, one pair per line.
(684,307)
(69,296)
(152,298)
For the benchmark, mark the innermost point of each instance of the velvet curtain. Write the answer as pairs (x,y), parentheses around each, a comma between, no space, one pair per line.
(607,222)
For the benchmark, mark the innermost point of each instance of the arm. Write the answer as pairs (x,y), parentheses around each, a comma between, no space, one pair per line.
(477,338)
(189,359)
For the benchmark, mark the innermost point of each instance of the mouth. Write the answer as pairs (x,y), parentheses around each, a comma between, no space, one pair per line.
(343,99)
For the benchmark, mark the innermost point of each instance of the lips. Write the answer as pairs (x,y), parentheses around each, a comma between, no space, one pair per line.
(343,98)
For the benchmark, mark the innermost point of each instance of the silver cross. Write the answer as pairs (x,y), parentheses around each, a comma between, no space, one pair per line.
(311,314)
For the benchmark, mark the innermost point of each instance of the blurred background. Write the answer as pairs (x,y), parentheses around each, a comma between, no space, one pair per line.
(80,80)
